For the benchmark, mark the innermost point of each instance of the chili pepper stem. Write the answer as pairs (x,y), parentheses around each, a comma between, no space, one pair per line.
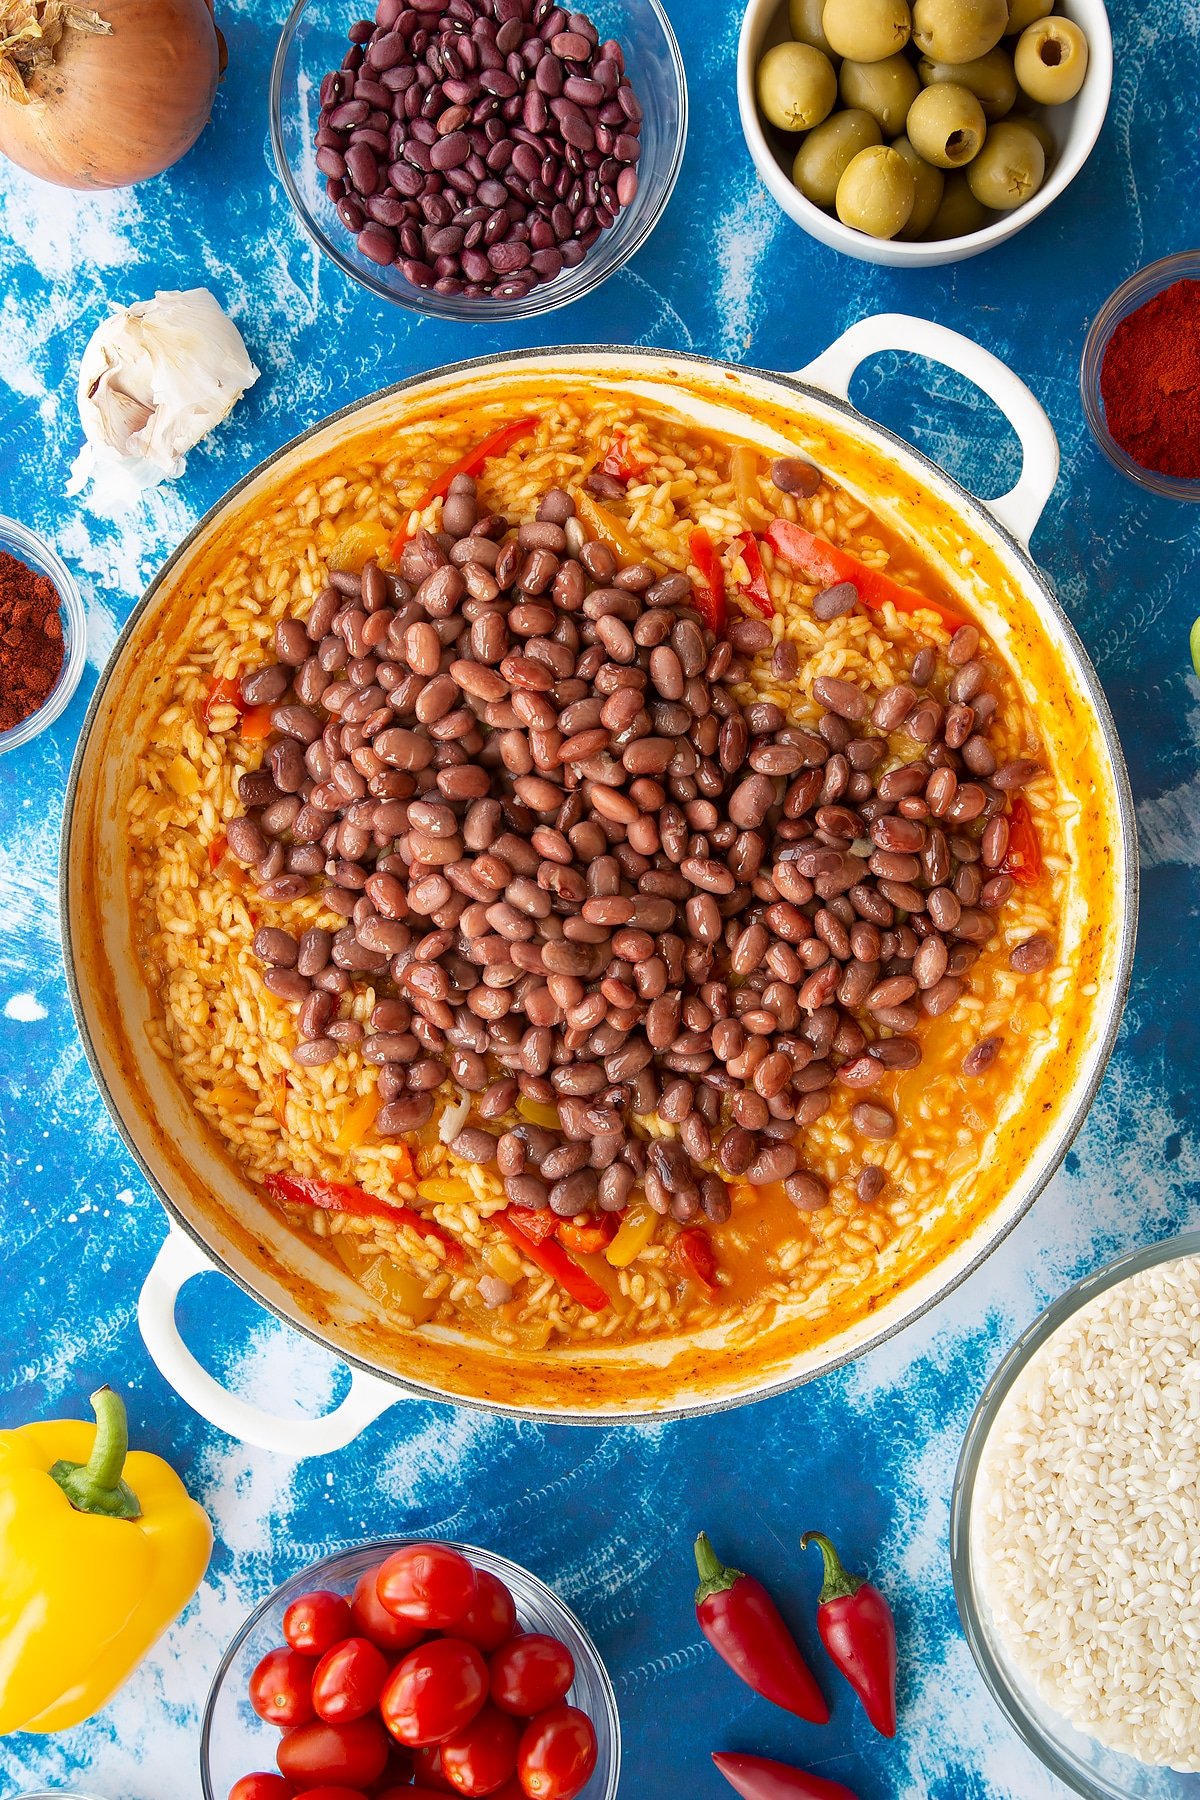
(715,1577)
(839,1583)
(96,1485)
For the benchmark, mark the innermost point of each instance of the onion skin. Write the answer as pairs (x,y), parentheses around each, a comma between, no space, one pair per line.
(110,111)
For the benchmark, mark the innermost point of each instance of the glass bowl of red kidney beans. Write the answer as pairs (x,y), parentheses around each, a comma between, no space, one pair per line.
(325,1687)
(479,159)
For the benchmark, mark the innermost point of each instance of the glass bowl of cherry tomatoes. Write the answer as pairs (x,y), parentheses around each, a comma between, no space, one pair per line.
(409,1670)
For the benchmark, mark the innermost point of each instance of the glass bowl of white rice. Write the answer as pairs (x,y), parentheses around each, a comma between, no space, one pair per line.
(1075,1530)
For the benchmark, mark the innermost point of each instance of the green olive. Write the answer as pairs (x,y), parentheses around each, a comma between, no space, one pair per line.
(1051,60)
(804,22)
(1041,132)
(877,192)
(1009,169)
(930,186)
(867,30)
(946,125)
(884,89)
(960,212)
(1023,12)
(991,79)
(958,31)
(822,158)
(796,86)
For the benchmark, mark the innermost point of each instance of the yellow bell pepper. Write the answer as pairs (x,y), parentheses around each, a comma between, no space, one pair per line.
(93,1567)
(636,1230)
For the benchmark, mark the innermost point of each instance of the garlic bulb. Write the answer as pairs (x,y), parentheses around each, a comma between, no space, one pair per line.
(156,377)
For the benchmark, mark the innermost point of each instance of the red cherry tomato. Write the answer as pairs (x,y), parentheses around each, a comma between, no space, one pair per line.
(491,1618)
(372,1619)
(434,1692)
(262,1787)
(356,1753)
(512,1790)
(427,1584)
(414,1793)
(281,1688)
(316,1622)
(557,1754)
(348,1681)
(530,1674)
(331,1793)
(427,1768)
(481,1757)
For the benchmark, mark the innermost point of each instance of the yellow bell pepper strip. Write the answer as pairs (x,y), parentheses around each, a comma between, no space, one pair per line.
(710,599)
(358,1121)
(757,589)
(553,1260)
(1023,858)
(637,1229)
(180,775)
(538,1112)
(743,473)
(470,464)
(100,1549)
(357,1203)
(611,530)
(819,560)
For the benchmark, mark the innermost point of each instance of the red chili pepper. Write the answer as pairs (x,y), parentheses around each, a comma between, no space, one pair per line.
(756,1778)
(470,464)
(553,1260)
(693,1254)
(1023,858)
(758,590)
(710,600)
(859,1632)
(744,1627)
(824,562)
(341,1197)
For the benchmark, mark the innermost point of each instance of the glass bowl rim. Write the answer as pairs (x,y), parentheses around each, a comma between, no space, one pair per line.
(1151,279)
(995,1392)
(310,1575)
(540,299)
(28,545)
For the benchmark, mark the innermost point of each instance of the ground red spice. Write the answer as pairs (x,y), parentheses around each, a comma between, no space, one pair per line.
(31,640)
(1150,382)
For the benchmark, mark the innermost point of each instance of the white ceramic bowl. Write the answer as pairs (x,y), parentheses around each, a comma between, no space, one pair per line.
(1076,127)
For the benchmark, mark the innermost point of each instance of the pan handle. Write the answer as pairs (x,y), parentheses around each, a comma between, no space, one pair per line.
(1020,509)
(176,1263)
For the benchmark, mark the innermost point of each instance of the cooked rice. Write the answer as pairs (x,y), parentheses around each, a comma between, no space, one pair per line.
(230,1039)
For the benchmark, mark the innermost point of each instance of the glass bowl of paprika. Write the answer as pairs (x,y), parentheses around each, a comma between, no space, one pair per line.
(43,635)
(1140,377)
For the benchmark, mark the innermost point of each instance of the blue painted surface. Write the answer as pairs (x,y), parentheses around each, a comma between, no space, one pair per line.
(606,1516)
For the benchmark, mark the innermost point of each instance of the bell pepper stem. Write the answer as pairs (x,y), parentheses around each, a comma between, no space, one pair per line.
(96,1485)
(839,1583)
(715,1577)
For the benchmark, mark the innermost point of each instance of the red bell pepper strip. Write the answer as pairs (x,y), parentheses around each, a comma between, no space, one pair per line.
(553,1260)
(1023,858)
(620,462)
(223,690)
(693,1255)
(742,1623)
(710,599)
(216,851)
(256,724)
(824,562)
(756,1778)
(470,464)
(538,1226)
(589,1239)
(357,1203)
(758,590)
(859,1632)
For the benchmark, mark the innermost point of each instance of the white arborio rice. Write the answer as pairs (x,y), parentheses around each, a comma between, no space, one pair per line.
(1086,1518)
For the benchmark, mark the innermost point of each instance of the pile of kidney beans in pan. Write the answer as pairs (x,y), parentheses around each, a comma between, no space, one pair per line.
(573,866)
(422,1683)
(481,146)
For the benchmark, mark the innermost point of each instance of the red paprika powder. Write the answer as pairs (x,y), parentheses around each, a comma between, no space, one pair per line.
(1150,382)
(31,640)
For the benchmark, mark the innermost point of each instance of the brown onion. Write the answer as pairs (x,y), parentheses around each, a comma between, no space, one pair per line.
(102,100)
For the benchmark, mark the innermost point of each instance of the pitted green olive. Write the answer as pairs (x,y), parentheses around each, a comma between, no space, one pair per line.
(1009,169)
(877,192)
(991,79)
(867,30)
(946,125)
(930,187)
(884,89)
(796,86)
(958,31)
(1024,12)
(804,22)
(1051,60)
(828,149)
(960,212)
